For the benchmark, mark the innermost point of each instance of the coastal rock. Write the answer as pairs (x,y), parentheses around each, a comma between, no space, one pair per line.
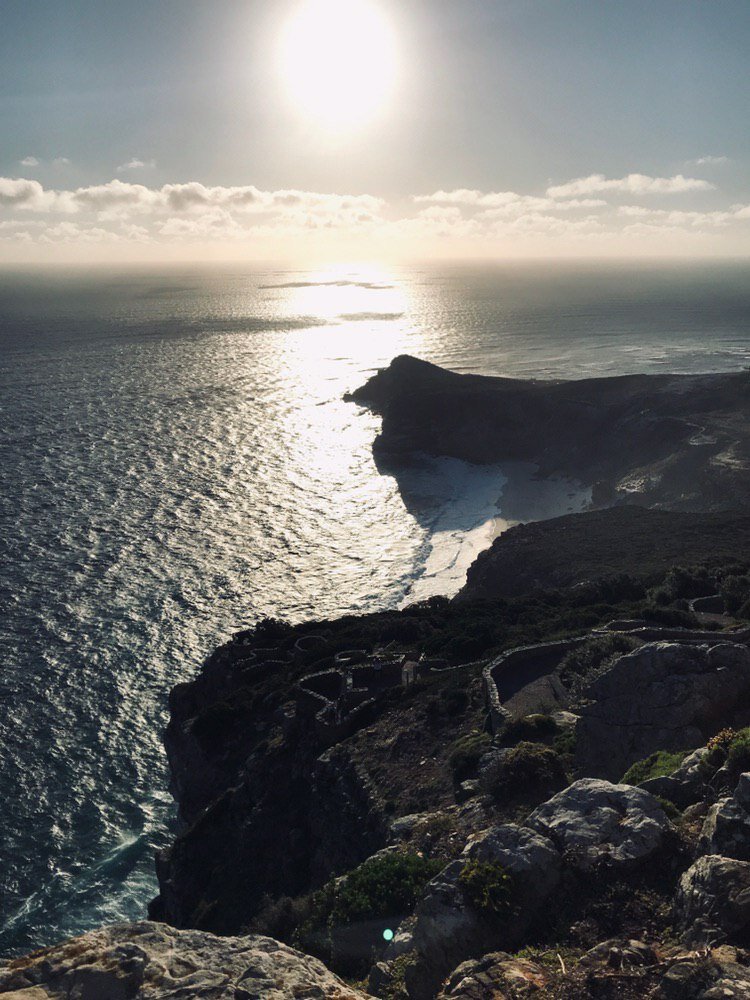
(726,828)
(450,929)
(145,961)
(593,821)
(713,900)
(685,694)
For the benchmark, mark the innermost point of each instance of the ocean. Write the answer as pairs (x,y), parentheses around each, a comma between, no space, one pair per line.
(177,461)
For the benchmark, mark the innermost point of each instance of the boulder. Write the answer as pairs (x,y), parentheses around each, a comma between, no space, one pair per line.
(713,900)
(594,822)
(726,828)
(145,961)
(617,954)
(685,694)
(495,975)
(450,929)
(715,975)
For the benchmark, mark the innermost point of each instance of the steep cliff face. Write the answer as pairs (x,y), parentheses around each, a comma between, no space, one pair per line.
(677,441)
(266,811)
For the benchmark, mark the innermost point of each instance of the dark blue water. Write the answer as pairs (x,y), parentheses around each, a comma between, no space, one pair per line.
(176,461)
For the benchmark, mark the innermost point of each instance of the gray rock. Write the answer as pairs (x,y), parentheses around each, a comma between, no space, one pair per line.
(594,821)
(494,975)
(147,961)
(449,929)
(726,828)
(684,694)
(617,954)
(713,900)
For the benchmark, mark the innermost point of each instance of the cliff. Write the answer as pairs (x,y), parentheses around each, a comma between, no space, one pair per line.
(675,441)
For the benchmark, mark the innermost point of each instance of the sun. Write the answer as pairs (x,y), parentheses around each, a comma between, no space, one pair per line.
(338,61)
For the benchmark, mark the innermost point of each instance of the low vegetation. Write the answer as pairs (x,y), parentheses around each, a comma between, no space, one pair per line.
(657,765)
(487,886)
(464,755)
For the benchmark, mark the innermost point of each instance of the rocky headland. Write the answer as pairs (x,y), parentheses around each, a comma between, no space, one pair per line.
(539,788)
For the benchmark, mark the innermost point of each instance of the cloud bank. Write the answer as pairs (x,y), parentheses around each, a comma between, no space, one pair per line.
(636,213)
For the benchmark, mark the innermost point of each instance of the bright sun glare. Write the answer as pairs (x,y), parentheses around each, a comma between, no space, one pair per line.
(338,58)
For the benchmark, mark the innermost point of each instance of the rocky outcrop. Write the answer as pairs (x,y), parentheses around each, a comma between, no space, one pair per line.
(146,961)
(495,975)
(726,829)
(685,695)
(633,435)
(713,900)
(450,927)
(594,822)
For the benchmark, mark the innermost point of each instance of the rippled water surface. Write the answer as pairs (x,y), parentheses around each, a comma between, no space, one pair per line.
(176,461)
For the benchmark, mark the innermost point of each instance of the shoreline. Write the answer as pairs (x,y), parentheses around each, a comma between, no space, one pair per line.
(473,518)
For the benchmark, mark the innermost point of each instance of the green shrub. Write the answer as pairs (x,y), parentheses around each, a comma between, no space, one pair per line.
(588,660)
(669,617)
(487,886)
(658,765)
(670,809)
(565,744)
(738,756)
(465,753)
(530,768)
(736,591)
(532,728)
(381,887)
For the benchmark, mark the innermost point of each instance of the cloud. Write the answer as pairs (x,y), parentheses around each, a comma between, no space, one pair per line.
(21,193)
(61,161)
(708,161)
(136,164)
(29,161)
(504,202)
(632,184)
(570,216)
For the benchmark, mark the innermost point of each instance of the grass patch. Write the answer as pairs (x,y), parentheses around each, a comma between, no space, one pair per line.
(658,765)
(464,755)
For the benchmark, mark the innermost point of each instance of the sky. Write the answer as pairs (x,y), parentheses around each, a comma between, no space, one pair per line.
(322,129)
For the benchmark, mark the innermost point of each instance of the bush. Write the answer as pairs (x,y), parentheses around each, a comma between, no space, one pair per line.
(381,887)
(669,617)
(487,887)
(658,765)
(464,755)
(565,745)
(736,591)
(532,728)
(530,768)
(587,661)
(738,757)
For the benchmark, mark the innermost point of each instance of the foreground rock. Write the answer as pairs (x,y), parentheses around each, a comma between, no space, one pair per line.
(150,960)
(726,829)
(685,694)
(594,822)
(713,900)
(451,927)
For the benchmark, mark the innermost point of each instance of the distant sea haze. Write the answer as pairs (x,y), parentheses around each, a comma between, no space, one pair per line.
(177,461)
